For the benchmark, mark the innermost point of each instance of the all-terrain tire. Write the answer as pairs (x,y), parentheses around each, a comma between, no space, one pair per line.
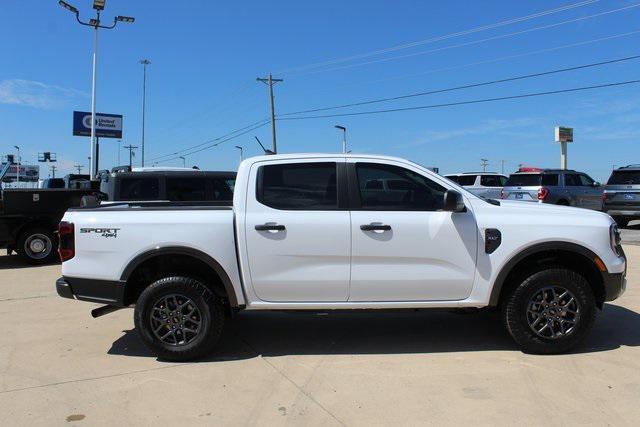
(172,300)
(518,318)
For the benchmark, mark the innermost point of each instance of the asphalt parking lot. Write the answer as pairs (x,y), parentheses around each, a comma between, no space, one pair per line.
(61,367)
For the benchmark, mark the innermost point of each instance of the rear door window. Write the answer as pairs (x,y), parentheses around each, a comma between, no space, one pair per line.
(550,179)
(624,178)
(132,189)
(524,180)
(298,186)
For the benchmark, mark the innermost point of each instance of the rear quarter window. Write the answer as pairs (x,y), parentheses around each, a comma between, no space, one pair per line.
(134,189)
(550,179)
(467,179)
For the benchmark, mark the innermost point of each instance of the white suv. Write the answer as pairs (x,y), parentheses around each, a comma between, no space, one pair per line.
(482,184)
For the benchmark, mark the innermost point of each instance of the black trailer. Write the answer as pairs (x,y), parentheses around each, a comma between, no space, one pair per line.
(29,220)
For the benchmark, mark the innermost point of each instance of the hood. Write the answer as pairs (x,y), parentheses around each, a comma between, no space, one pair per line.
(521,209)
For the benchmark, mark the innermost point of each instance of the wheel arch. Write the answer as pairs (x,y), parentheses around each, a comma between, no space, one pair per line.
(181,251)
(549,253)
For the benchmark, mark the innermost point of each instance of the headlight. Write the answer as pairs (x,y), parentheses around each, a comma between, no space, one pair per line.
(614,235)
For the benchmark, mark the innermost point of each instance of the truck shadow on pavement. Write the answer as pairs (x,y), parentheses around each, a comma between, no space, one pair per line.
(14,261)
(279,333)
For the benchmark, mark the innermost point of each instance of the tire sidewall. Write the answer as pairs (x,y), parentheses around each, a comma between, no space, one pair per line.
(515,310)
(24,236)
(206,303)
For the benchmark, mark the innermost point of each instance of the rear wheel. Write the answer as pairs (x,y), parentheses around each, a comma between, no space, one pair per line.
(550,311)
(37,245)
(179,318)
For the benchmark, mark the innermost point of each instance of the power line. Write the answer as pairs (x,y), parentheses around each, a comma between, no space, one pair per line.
(502,58)
(475,101)
(468,86)
(474,42)
(264,121)
(443,37)
(219,142)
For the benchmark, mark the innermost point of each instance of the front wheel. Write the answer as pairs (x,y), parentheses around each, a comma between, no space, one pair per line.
(550,312)
(179,318)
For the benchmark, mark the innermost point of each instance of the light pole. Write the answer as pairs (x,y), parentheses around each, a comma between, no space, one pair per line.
(98,5)
(144,63)
(241,149)
(17,163)
(344,137)
(484,163)
(184,161)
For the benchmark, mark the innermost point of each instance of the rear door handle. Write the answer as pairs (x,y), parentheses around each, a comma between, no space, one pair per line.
(270,227)
(375,227)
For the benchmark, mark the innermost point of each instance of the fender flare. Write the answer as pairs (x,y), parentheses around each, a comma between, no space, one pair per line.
(181,250)
(532,250)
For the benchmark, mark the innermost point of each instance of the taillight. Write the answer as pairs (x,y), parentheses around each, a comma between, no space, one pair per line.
(66,246)
(543,193)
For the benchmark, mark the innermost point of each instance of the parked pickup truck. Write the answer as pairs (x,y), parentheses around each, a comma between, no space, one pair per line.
(29,219)
(307,232)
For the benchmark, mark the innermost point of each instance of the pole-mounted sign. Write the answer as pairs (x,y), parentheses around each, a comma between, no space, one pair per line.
(107,125)
(563,136)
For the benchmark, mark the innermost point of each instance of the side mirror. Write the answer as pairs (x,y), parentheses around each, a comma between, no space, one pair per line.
(453,202)
(596,184)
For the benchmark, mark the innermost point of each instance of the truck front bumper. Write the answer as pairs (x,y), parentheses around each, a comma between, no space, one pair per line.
(93,290)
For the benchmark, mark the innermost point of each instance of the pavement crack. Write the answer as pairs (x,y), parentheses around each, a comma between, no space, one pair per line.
(300,389)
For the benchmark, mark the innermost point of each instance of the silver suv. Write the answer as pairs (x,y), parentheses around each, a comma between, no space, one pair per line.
(621,197)
(482,184)
(556,186)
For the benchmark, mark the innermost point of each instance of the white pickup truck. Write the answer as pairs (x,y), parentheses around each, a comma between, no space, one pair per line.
(328,232)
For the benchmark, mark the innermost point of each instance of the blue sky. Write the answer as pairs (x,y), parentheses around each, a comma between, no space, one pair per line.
(206,55)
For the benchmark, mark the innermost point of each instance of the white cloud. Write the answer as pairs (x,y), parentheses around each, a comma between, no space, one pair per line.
(36,94)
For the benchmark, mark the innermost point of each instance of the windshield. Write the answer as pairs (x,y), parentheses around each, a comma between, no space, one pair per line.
(624,177)
(524,180)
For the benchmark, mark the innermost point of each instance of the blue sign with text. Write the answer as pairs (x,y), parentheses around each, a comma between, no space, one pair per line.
(107,125)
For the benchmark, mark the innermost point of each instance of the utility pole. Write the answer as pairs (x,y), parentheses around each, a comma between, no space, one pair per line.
(53,170)
(484,164)
(79,167)
(270,81)
(502,167)
(144,63)
(131,154)
(98,5)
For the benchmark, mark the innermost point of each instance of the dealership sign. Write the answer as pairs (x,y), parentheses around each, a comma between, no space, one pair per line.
(27,173)
(564,134)
(107,125)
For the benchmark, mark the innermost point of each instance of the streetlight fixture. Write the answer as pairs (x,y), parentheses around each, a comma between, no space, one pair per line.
(98,5)
(17,163)
(344,137)
(184,161)
(239,147)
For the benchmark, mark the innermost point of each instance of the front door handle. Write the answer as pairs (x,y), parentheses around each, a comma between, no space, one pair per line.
(375,227)
(270,227)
